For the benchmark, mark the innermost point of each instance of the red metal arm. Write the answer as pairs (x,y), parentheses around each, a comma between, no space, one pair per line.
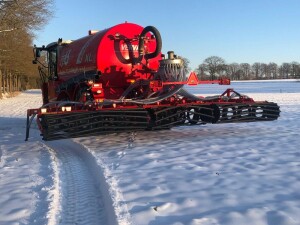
(193,80)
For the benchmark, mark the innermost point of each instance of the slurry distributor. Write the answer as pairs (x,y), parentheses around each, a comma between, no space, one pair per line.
(117,80)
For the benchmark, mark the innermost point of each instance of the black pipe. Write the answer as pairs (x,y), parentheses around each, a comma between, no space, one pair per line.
(158,42)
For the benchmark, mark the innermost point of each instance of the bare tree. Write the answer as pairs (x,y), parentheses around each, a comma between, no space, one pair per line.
(24,14)
(273,68)
(286,69)
(232,71)
(1,83)
(295,69)
(246,69)
(257,70)
(256,67)
(264,70)
(18,21)
(201,71)
(186,64)
(214,65)
(280,72)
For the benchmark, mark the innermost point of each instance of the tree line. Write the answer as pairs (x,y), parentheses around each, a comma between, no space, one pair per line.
(214,67)
(19,19)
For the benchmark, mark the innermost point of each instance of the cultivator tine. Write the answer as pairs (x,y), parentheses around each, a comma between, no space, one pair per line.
(58,126)
(91,132)
(249,113)
(169,125)
(213,113)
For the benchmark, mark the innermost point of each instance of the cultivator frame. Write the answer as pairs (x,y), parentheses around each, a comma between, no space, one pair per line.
(74,119)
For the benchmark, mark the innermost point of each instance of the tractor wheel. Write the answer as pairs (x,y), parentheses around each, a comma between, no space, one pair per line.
(84,94)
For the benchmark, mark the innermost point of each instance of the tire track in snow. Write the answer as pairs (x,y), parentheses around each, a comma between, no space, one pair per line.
(1,156)
(83,196)
(54,205)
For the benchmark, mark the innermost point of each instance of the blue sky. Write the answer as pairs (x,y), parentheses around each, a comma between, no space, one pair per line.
(236,30)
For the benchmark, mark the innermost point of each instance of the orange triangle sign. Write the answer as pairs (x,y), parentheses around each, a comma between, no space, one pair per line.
(193,79)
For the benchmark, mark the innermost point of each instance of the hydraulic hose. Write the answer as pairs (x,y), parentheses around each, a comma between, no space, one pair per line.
(142,42)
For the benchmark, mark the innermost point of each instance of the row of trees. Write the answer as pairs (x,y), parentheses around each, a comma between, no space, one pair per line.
(19,19)
(215,66)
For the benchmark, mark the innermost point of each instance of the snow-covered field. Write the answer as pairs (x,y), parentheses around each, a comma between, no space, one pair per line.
(226,174)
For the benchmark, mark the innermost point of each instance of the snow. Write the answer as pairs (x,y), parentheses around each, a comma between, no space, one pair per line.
(224,174)
(28,178)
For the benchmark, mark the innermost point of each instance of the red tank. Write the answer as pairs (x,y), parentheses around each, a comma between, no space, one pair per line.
(112,54)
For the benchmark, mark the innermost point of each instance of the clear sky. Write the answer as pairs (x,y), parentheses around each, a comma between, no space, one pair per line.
(236,30)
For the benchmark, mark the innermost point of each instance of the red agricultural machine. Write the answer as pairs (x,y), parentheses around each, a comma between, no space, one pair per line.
(117,80)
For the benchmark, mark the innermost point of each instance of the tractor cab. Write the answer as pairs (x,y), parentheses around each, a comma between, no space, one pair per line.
(47,58)
(52,60)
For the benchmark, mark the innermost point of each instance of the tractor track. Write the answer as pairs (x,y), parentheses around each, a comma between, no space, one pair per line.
(84,198)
